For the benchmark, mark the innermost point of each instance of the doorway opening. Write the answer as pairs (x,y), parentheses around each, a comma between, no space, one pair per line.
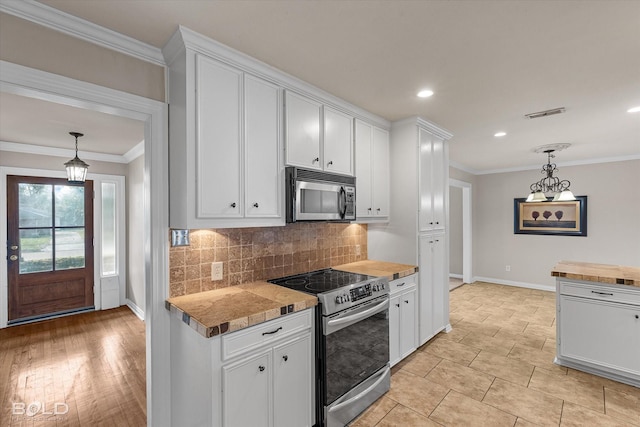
(461,257)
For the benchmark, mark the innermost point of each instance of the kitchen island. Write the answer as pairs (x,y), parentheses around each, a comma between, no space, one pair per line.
(598,319)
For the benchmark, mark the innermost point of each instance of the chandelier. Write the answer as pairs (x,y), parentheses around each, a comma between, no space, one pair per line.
(76,168)
(550,183)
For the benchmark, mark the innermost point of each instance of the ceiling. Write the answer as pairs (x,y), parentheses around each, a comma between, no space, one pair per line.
(488,62)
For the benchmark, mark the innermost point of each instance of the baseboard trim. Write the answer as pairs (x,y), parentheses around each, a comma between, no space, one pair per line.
(549,288)
(136,310)
(455,276)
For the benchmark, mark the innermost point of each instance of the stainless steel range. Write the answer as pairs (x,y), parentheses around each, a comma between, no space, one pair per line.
(352,341)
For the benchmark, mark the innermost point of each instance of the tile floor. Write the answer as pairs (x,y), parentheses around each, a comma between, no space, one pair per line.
(495,368)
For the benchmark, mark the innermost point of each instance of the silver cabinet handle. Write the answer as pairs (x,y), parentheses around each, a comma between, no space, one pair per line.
(316,160)
(285,357)
(255,205)
(406,301)
(233,205)
(401,284)
(261,368)
(330,163)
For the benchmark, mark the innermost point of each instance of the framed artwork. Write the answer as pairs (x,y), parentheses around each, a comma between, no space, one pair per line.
(553,218)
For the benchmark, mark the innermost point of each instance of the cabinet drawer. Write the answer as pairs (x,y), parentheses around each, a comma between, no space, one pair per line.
(252,338)
(402,284)
(603,293)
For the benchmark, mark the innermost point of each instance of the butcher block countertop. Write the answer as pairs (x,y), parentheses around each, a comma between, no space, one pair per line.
(389,270)
(230,309)
(603,273)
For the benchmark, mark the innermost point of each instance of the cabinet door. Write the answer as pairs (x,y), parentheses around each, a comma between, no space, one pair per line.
(293,382)
(600,333)
(218,141)
(338,142)
(303,132)
(426,292)
(438,185)
(247,392)
(381,175)
(364,155)
(262,152)
(440,283)
(426,221)
(394,329)
(407,323)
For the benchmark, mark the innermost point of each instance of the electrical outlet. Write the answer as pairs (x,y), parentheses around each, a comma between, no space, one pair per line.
(358,251)
(507,268)
(216,271)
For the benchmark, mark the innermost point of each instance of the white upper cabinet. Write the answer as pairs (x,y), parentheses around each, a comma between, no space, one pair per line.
(263,177)
(303,118)
(226,163)
(338,142)
(218,140)
(372,173)
(318,137)
(230,116)
(432,182)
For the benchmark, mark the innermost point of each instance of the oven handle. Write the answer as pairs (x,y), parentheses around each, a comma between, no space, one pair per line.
(360,395)
(361,315)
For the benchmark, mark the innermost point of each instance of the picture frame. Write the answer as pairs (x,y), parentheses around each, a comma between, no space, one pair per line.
(566,218)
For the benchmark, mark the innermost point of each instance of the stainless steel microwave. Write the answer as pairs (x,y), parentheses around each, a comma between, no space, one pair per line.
(319,196)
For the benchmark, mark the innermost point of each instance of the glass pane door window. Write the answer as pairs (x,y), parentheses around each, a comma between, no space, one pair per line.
(51,227)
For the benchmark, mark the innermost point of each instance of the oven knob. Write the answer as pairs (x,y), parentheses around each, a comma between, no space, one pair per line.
(347,298)
(338,299)
(374,288)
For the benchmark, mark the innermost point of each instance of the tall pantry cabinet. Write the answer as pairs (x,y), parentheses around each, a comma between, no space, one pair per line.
(417,229)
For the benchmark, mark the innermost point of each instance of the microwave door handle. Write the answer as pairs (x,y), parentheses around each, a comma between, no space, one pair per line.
(342,203)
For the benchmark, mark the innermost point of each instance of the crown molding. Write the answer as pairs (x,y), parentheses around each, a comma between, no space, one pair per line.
(425,124)
(134,153)
(55,19)
(537,167)
(65,153)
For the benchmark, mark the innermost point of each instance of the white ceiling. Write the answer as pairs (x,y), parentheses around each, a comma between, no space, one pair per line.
(488,62)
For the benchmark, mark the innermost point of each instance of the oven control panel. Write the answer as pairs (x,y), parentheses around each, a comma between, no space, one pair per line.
(353,295)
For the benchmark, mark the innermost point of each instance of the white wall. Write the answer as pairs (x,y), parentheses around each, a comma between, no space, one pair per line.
(455,230)
(613,212)
(135,230)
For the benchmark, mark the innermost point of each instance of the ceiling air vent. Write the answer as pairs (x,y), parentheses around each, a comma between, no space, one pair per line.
(545,113)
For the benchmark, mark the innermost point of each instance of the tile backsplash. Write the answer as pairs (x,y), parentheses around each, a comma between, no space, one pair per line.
(250,254)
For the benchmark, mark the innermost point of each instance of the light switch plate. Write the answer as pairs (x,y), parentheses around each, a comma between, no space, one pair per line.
(179,237)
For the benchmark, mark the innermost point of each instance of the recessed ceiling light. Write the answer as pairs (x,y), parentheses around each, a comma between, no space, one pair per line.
(499,134)
(425,93)
(634,110)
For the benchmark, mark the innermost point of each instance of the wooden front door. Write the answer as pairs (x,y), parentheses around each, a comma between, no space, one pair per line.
(49,247)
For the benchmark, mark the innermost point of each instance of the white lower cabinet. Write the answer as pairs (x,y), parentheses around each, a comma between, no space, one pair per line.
(259,376)
(271,388)
(598,329)
(246,396)
(434,286)
(403,331)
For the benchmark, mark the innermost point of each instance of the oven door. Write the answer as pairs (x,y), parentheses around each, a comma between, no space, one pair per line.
(356,360)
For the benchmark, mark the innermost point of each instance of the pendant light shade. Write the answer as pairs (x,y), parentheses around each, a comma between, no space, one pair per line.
(76,168)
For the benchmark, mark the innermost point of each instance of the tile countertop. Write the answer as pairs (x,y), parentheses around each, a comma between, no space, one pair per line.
(230,309)
(603,273)
(389,270)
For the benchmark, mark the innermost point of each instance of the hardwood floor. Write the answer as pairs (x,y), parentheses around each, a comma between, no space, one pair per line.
(82,370)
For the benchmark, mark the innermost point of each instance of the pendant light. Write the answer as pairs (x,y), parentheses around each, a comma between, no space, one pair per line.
(76,168)
(550,183)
